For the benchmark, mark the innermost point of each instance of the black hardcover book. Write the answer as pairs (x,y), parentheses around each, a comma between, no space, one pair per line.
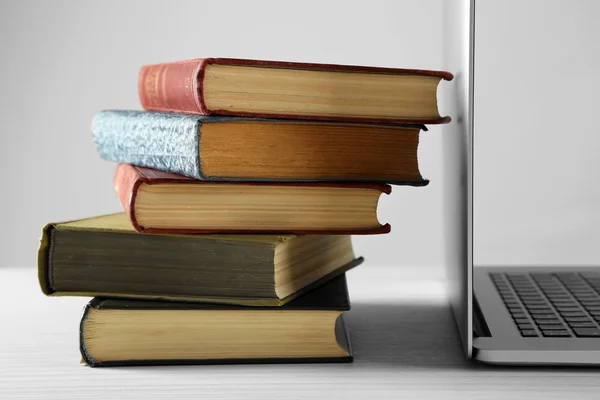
(105,257)
(311,328)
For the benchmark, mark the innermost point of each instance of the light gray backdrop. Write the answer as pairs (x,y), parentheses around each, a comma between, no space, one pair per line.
(62,61)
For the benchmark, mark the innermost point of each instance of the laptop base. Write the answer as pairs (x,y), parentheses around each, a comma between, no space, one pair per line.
(513,304)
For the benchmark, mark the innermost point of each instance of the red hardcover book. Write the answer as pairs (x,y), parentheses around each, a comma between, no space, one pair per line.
(162,202)
(274,89)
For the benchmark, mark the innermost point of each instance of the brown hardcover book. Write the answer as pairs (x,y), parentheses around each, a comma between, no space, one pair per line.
(226,86)
(248,149)
(104,256)
(162,202)
(128,332)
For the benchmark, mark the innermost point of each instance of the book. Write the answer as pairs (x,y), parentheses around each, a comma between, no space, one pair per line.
(226,86)
(128,332)
(244,149)
(161,202)
(104,256)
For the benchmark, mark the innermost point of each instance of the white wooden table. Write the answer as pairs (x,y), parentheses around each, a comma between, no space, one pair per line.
(402,331)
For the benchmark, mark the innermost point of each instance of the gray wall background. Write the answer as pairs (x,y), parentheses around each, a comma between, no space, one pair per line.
(536,79)
(62,61)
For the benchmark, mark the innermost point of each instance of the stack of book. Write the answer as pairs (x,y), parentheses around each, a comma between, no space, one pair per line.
(241,183)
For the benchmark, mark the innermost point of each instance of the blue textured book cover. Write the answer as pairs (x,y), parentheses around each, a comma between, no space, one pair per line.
(167,142)
(163,141)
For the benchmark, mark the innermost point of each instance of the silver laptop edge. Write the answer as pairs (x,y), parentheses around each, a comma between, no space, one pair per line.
(457,138)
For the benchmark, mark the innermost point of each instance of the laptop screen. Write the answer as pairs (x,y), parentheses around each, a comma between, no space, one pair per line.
(457,101)
(537,141)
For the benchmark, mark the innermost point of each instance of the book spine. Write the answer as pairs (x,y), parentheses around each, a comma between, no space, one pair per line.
(126,182)
(43,260)
(172,87)
(166,142)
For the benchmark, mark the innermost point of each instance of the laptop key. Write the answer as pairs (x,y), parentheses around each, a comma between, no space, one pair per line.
(590,303)
(529,333)
(525,327)
(586,295)
(529,304)
(587,332)
(522,320)
(572,307)
(549,321)
(568,309)
(540,307)
(577,319)
(587,324)
(561,333)
(556,327)
(574,314)
(544,316)
(579,288)
(564,303)
(595,313)
(544,311)
(561,299)
(531,298)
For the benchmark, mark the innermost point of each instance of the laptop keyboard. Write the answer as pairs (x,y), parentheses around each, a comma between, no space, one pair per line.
(552,305)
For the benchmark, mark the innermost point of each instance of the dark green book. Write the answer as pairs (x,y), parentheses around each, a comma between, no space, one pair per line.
(129,332)
(104,256)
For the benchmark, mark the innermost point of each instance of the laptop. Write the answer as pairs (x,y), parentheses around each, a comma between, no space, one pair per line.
(505,315)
